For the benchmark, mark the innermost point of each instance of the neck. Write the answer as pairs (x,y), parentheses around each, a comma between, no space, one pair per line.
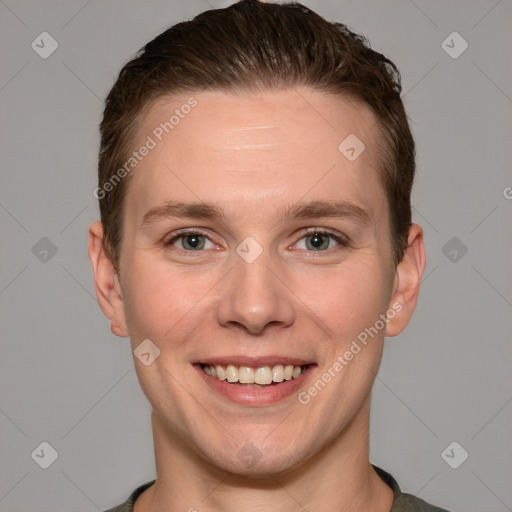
(337,478)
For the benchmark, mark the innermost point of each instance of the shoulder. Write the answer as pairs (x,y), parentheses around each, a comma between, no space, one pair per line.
(410,503)
(404,502)
(127,506)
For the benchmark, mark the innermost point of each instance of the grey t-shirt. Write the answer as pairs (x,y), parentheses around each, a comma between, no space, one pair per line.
(402,502)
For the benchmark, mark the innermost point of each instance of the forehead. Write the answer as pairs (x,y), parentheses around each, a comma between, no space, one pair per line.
(256,149)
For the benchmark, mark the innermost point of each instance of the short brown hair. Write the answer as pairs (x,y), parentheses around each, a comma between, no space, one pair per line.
(255,46)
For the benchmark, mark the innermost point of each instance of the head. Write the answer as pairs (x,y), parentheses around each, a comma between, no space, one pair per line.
(245,111)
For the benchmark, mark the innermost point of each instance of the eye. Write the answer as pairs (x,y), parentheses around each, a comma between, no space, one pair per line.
(190,241)
(319,240)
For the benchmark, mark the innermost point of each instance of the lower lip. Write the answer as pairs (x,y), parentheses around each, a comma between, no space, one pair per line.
(257,395)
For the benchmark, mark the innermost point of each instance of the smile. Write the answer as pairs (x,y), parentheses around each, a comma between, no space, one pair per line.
(258,376)
(258,381)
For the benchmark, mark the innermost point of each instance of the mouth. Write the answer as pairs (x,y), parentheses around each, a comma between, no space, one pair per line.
(255,382)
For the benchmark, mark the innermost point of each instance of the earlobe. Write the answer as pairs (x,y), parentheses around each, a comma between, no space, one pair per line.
(106,282)
(407,282)
(118,330)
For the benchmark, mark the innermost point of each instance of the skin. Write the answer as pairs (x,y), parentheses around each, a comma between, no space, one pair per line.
(254,155)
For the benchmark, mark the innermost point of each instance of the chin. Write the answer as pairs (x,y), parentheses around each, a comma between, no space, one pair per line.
(257,462)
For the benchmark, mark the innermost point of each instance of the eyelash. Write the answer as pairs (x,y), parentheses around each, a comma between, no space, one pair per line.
(342,241)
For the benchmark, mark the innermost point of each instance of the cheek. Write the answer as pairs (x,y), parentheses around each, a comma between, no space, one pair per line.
(161,301)
(151,300)
(348,299)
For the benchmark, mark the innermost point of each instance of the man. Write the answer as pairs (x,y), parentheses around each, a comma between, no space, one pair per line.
(256,245)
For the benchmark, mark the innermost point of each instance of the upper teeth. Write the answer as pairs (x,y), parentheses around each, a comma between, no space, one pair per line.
(248,375)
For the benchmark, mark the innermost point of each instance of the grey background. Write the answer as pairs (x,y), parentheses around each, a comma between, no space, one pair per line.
(65,379)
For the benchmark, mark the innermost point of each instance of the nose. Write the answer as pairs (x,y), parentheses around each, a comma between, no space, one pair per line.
(256,294)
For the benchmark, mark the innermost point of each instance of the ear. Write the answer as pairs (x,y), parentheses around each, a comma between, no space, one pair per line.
(407,282)
(106,282)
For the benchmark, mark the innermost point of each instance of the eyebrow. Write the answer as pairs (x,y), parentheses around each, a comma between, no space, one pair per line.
(209,211)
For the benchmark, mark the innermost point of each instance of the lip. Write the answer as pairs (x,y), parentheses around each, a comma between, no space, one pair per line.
(256,396)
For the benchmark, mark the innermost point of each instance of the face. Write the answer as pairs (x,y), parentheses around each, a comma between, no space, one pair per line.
(256,245)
